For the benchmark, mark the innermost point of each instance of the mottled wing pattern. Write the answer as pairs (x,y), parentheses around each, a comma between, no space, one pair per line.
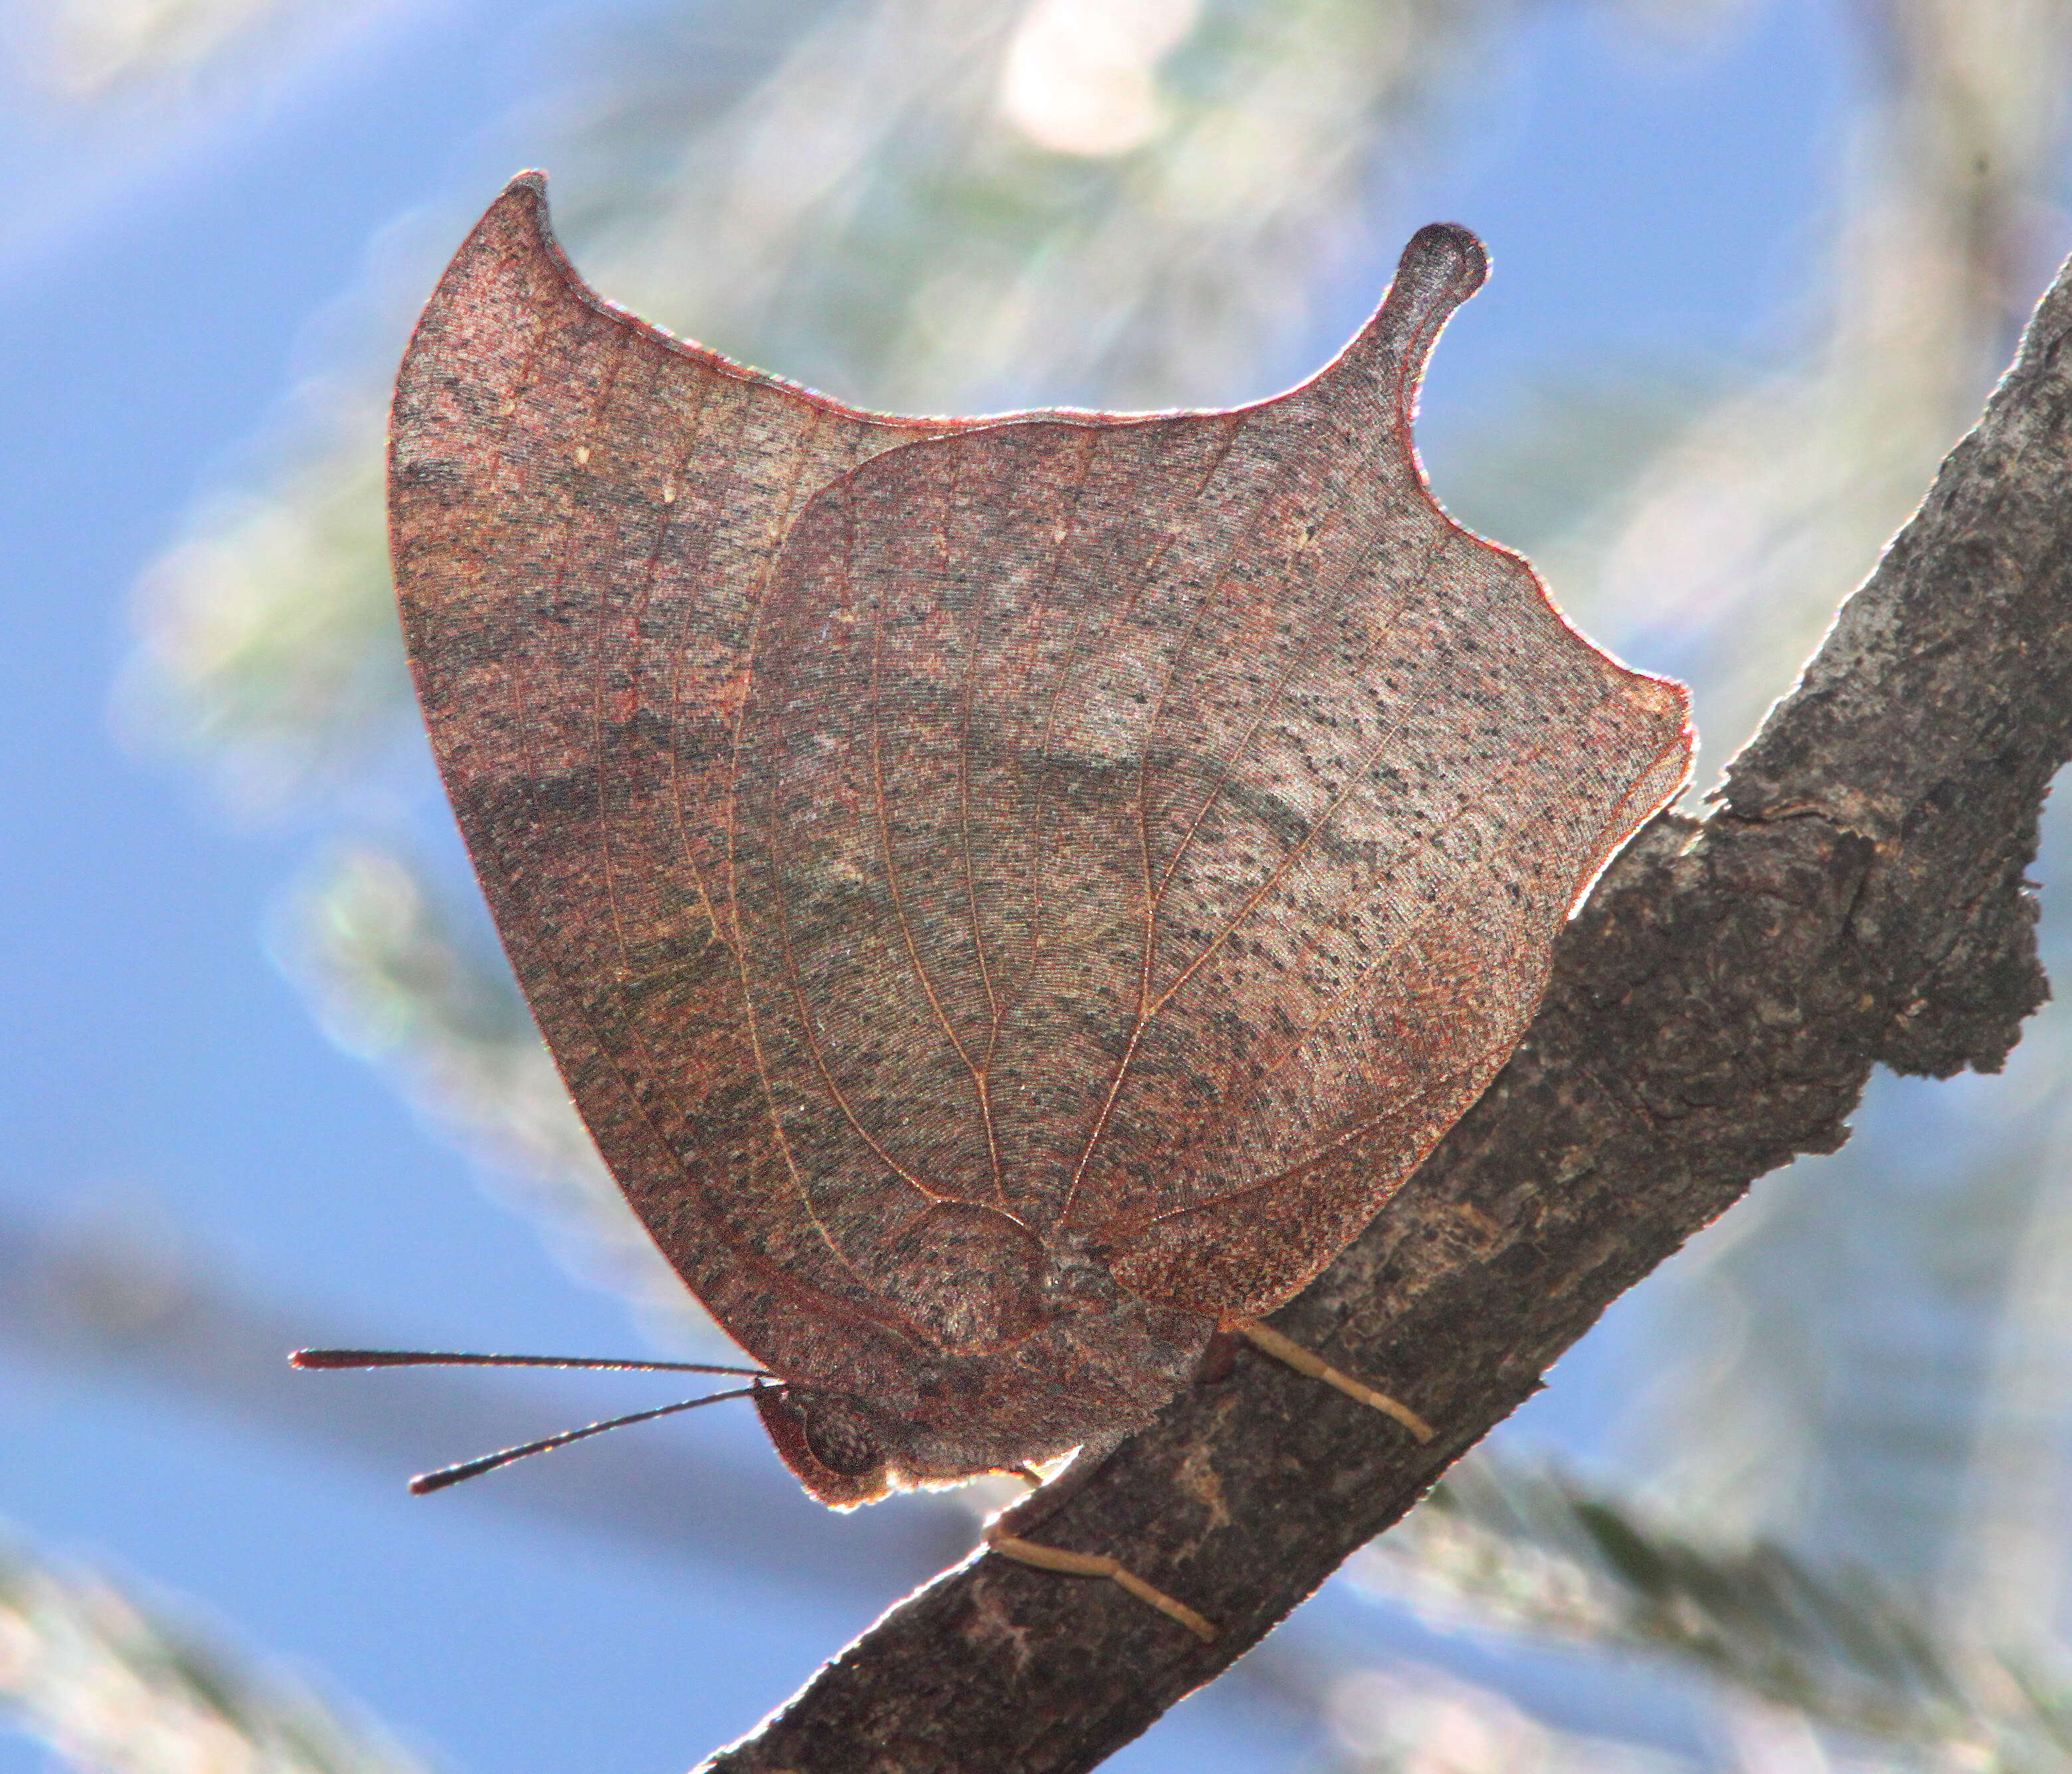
(586,513)
(1153,834)
(940,854)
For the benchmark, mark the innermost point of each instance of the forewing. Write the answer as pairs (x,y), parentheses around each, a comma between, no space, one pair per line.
(585,514)
(1153,833)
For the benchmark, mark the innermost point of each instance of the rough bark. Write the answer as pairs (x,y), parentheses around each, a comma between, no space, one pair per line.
(1856,897)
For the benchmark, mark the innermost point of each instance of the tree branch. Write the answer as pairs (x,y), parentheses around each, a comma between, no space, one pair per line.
(1716,1010)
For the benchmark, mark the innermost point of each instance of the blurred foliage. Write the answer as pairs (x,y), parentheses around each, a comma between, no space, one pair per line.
(1529,1548)
(1727,562)
(270,645)
(931,204)
(116,1686)
(1413,1718)
(409,978)
(90,51)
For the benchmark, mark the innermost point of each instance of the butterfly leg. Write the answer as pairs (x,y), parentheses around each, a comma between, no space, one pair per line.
(1098,1564)
(1218,1360)
(1269,1341)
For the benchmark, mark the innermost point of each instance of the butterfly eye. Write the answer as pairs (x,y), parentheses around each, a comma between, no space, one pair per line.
(832,1443)
(838,1437)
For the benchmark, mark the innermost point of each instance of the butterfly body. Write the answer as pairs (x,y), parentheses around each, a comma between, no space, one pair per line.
(1085,1378)
(1005,895)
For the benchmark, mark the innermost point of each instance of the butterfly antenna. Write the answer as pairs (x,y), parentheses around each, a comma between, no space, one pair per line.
(427,1482)
(393,1358)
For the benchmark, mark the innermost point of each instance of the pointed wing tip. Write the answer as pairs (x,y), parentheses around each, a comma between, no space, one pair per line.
(516,227)
(522,203)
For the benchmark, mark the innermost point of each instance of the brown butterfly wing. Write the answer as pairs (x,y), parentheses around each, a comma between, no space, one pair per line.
(585,514)
(1153,834)
(938,868)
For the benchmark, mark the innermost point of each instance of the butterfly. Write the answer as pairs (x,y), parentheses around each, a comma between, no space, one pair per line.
(1010,898)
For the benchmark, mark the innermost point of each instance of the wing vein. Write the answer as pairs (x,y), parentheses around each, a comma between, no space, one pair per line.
(1215,584)
(1074,651)
(1279,872)
(982,1072)
(1321,1154)
(1227,767)
(1228,1106)
(540,941)
(881,807)
(788,951)
(801,449)
(972,625)
(680,651)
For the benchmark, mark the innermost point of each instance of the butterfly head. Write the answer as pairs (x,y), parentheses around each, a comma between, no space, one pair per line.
(835,1445)
(1082,1380)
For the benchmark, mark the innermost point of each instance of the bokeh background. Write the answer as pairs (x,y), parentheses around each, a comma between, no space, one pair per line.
(1799,1504)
